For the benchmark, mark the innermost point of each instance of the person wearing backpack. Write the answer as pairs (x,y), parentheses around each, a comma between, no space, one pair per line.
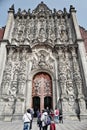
(39,122)
(56,115)
(44,119)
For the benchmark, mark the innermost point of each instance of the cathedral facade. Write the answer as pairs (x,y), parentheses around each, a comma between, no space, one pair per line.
(42,63)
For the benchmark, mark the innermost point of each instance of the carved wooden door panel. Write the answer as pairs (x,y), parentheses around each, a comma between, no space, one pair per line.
(42,87)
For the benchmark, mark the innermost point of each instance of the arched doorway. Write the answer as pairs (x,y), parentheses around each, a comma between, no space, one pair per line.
(42,88)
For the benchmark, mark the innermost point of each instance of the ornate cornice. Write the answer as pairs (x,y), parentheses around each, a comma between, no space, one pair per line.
(19,48)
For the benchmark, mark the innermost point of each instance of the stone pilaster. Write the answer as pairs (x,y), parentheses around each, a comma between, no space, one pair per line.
(9,24)
(82,51)
(28,97)
(2,58)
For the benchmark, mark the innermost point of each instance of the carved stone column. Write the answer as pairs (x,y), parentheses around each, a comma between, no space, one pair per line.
(62,72)
(82,51)
(3,54)
(80,105)
(76,74)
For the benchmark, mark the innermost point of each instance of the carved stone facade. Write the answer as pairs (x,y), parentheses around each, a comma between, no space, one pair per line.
(42,63)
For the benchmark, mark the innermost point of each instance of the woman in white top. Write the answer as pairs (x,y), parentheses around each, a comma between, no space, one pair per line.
(27,120)
(43,117)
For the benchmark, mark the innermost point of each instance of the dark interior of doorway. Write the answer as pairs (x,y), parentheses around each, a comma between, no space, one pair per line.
(36,105)
(48,102)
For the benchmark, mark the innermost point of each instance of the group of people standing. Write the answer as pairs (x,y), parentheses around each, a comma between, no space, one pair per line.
(48,118)
(44,119)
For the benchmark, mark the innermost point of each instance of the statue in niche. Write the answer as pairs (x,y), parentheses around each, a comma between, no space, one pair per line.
(63,36)
(65,105)
(41,60)
(69,88)
(8,107)
(49,62)
(6,88)
(62,78)
(82,105)
(14,56)
(21,88)
(27,32)
(34,63)
(15,32)
(71,103)
(71,96)
(13,90)
(23,56)
(68,74)
(7,76)
(79,86)
(20,34)
(51,34)
(15,76)
(42,35)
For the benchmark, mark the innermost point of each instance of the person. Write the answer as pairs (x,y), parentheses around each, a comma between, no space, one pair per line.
(32,115)
(60,118)
(56,115)
(48,111)
(27,120)
(43,117)
(52,125)
(39,122)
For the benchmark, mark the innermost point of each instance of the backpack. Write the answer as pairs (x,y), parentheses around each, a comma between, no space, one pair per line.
(47,120)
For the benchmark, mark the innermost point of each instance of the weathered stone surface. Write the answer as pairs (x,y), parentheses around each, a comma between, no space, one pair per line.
(42,44)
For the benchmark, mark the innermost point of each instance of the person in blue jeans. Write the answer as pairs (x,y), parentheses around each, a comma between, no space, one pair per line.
(27,120)
(56,115)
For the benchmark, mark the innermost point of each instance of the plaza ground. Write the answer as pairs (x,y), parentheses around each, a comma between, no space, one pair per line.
(67,125)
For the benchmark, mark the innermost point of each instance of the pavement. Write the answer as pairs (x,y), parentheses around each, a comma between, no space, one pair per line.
(66,125)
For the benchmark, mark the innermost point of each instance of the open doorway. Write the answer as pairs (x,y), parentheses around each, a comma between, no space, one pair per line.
(36,105)
(48,102)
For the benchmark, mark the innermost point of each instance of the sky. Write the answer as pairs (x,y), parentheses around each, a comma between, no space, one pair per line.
(80,6)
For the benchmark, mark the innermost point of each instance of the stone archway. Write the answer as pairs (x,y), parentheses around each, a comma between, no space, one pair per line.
(42,88)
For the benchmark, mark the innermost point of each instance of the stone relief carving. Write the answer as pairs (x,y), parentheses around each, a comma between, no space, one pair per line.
(47,88)
(5,88)
(63,36)
(42,85)
(41,27)
(13,89)
(76,74)
(62,71)
(41,60)
(21,88)
(37,83)
(8,108)
(42,35)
